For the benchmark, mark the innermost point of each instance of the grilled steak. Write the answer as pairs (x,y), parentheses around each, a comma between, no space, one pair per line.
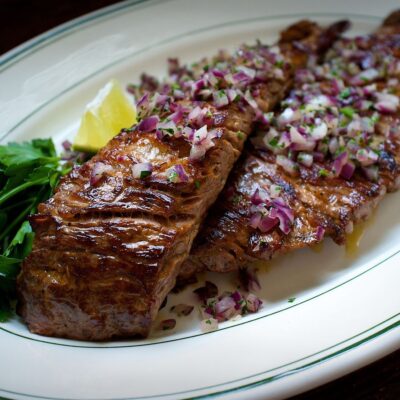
(110,242)
(330,153)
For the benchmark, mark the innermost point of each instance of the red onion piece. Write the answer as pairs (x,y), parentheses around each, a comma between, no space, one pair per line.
(232,95)
(142,170)
(366,157)
(255,220)
(297,137)
(284,222)
(202,141)
(236,295)
(167,128)
(148,124)
(178,94)
(249,72)
(289,115)
(143,101)
(339,163)
(250,100)
(267,223)
(194,114)
(259,197)
(319,132)
(197,86)
(253,303)
(177,116)
(225,304)
(333,145)
(369,74)
(280,204)
(218,74)
(320,233)
(387,103)
(288,165)
(161,99)
(239,78)
(177,174)
(347,170)
(220,99)
(306,159)
(98,171)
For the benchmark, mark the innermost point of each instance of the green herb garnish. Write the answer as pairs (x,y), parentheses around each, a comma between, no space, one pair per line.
(197,184)
(173,177)
(345,93)
(240,135)
(29,172)
(144,174)
(347,111)
(291,300)
(323,172)
(273,142)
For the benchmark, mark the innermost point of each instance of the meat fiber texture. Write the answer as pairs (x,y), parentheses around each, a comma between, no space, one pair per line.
(322,205)
(109,244)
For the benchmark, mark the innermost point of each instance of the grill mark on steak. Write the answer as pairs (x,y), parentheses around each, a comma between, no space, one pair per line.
(107,253)
(227,242)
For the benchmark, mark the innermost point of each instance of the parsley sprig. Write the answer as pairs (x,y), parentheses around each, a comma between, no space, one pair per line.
(29,172)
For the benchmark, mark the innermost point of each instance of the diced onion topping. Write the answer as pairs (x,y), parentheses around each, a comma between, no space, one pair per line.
(99,170)
(177,174)
(142,170)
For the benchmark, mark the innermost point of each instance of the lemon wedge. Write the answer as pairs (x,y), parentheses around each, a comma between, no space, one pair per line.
(104,117)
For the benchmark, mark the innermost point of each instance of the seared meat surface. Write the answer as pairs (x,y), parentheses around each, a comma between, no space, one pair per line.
(110,242)
(329,155)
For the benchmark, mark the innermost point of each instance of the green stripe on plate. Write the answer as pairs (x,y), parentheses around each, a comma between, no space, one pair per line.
(263,381)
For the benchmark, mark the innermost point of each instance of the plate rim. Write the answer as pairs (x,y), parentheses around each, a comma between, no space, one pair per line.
(264,381)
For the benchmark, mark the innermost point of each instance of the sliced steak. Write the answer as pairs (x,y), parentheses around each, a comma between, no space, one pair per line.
(110,242)
(330,154)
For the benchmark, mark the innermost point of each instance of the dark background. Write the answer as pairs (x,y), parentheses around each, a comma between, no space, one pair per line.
(21,20)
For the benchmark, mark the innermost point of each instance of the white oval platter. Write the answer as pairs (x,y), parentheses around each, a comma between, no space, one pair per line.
(346,308)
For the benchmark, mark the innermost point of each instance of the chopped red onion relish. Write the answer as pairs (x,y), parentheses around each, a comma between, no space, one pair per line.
(268,210)
(230,305)
(329,117)
(224,80)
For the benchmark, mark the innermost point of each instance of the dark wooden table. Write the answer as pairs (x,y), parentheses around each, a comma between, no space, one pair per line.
(21,20)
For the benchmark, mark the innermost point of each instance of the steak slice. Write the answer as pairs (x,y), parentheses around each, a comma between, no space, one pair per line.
(110,242)
(332,151)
